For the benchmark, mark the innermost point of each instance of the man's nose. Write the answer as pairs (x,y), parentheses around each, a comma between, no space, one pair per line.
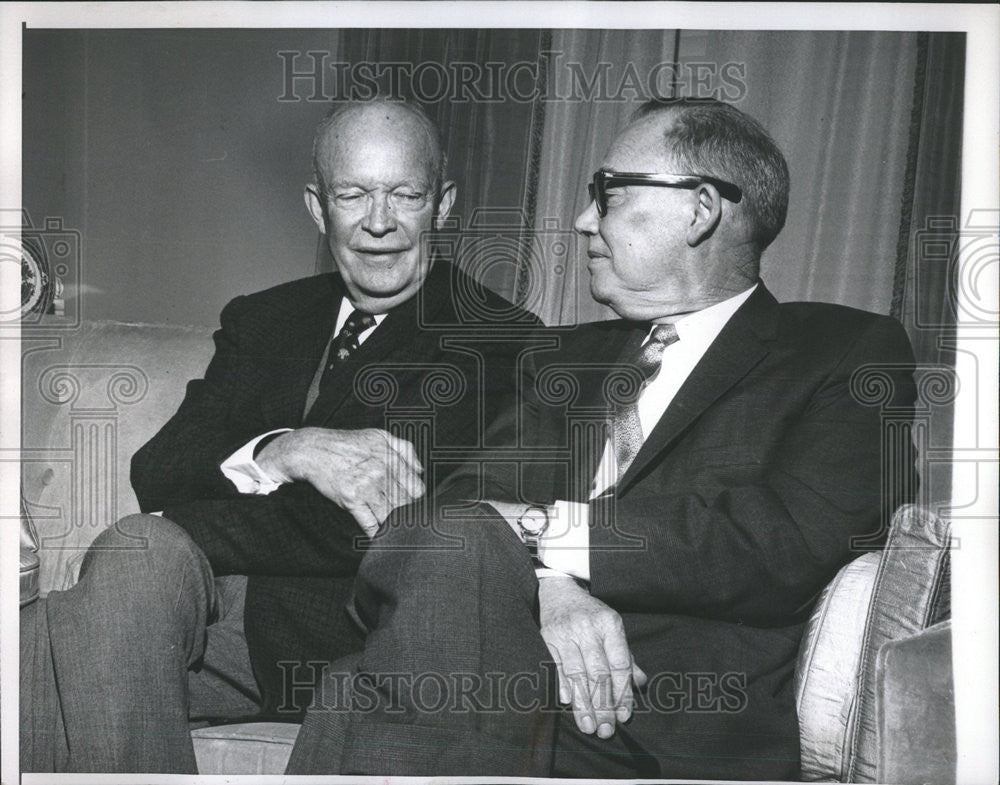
(379,218)
(587,221)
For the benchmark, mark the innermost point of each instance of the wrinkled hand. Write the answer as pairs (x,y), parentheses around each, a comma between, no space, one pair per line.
(368,472)
(586,639)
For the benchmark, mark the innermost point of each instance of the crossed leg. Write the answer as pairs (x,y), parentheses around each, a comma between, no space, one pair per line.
(112,668)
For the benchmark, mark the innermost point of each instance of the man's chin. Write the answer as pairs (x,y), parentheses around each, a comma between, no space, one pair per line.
(600,296)
(380,296)
(624,308)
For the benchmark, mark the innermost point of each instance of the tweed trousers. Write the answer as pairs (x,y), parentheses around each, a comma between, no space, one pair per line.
(438,603)
(114,669)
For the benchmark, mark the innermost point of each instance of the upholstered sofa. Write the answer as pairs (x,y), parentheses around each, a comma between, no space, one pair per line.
(94,392)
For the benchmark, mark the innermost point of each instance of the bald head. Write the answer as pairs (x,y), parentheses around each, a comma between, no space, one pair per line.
(401,123)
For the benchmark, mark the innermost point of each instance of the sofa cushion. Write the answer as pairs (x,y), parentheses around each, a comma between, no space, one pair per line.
(247,748)
(827,672)
(29,557)
(91,396)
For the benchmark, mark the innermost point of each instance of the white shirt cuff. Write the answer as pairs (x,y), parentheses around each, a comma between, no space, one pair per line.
(242,470)
(565,546)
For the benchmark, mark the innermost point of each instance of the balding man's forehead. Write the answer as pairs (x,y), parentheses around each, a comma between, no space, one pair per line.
(642,146)
(386,115)
(376,155)
(363,125)
(349,139)
(376,141)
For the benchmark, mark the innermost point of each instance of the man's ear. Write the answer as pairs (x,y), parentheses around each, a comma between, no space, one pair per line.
(445,201)
(706,214)
(314,204)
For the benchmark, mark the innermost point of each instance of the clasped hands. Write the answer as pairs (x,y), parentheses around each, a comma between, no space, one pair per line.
(368,472)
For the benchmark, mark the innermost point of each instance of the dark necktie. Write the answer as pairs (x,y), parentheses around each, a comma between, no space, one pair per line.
(344,345)
(626,428)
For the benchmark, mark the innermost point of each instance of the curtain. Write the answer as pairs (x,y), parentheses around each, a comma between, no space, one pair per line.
(574,140)
(838,106)
(928,242)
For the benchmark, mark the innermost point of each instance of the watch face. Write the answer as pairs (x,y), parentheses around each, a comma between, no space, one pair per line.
(34,281)
(534,521)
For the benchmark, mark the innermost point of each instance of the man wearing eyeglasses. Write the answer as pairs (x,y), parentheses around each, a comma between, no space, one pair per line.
(315,418)
(686,479)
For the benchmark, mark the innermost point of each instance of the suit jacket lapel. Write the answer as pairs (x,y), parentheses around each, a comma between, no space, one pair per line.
(298,350)
(742,344)
(592,354)
(385,337)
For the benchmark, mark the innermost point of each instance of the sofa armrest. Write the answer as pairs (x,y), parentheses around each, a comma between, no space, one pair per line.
(915,709)
(91,396)
(874,601)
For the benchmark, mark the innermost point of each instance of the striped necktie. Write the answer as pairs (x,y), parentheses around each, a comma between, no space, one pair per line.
(626,428)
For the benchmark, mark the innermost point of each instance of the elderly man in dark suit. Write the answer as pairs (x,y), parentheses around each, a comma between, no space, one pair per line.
(678,486)
(320,412)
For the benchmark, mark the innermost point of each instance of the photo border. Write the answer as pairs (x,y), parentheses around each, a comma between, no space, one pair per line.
(975,564)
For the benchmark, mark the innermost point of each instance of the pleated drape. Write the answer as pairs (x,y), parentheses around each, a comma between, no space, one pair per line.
(574,140)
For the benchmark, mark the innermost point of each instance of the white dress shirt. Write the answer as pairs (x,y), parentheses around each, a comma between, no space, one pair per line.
(565,546)
(240,467)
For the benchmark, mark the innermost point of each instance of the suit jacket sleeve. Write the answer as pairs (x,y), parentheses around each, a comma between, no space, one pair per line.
(758,550)
(501,470)
(181,462)
(293,531)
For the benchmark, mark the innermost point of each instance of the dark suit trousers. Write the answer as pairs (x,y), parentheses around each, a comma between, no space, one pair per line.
(113,668)
(454,678)
(445,606)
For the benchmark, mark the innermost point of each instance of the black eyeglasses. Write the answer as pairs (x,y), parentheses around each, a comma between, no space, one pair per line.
(605,179)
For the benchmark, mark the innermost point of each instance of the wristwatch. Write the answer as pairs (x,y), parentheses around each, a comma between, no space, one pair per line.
(532,524)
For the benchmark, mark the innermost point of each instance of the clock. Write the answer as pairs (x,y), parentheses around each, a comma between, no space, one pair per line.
(36,285)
